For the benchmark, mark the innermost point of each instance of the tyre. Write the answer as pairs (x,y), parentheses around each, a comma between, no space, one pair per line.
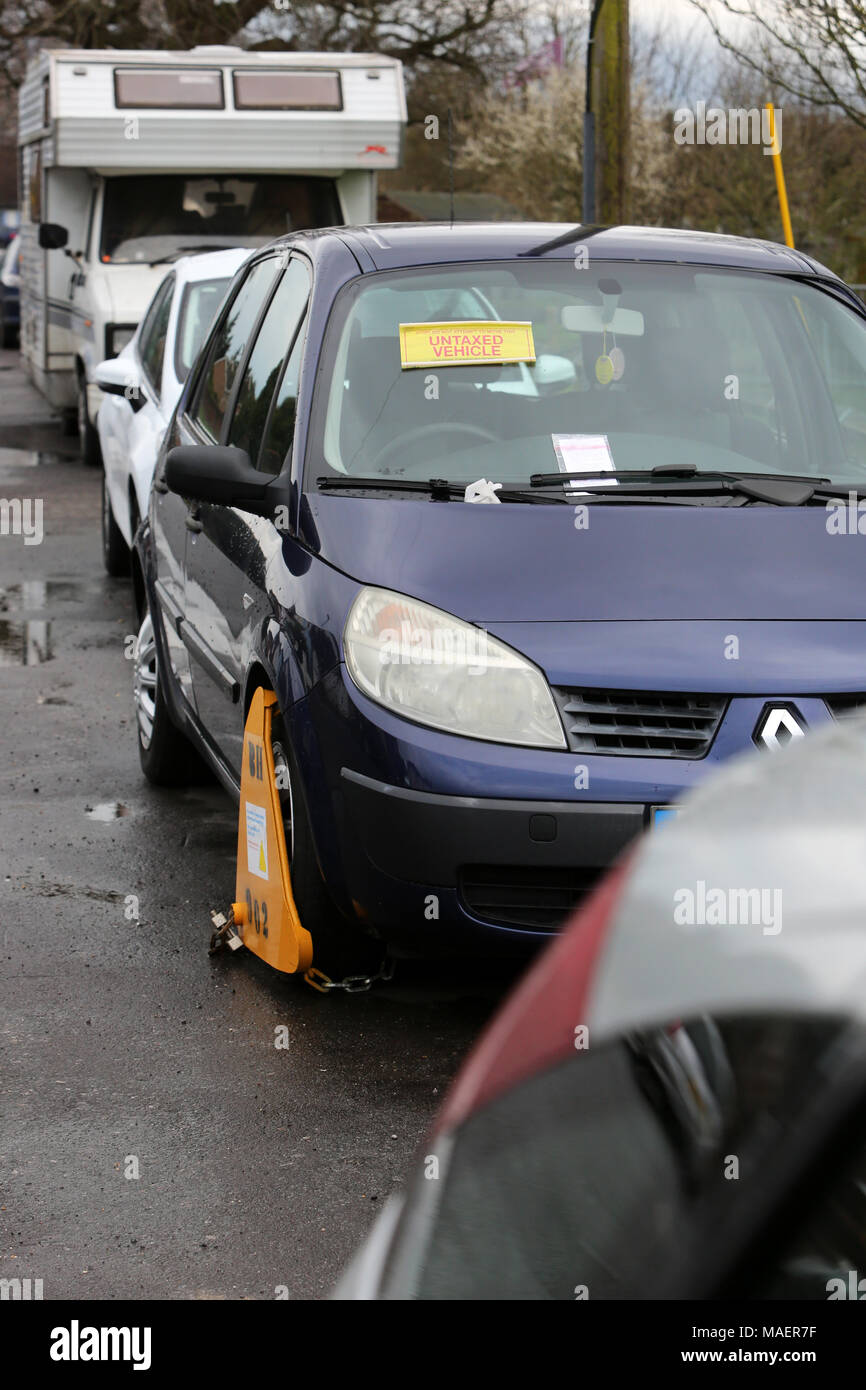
(167,757)
(88,440)
(115,551)
(340,947)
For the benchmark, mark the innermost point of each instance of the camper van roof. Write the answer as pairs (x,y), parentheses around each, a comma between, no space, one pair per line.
(219,52)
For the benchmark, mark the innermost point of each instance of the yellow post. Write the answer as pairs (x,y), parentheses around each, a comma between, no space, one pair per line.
(780,179)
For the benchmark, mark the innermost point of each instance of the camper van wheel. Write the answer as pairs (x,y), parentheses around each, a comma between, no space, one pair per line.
(88,439)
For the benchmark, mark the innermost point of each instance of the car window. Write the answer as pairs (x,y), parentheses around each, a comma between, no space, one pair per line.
(280,429)
(745,352)
(228,348)
(151,343)
(525,364)
(198,308)
(840,356)
(262,373)
(150,215)
(600,1177)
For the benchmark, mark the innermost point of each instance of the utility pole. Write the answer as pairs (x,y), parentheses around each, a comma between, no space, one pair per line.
(607,114)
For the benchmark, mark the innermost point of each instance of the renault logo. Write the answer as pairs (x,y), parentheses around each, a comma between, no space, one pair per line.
(778,725)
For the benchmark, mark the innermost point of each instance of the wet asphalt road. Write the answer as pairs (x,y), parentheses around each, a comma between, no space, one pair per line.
(120,1039)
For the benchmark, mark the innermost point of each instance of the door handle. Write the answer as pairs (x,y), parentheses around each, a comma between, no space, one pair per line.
(193,522)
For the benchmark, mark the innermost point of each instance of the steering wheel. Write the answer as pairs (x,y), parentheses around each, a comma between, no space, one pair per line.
(419,432)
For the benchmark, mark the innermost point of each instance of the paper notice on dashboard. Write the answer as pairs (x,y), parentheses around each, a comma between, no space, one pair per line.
(584,453)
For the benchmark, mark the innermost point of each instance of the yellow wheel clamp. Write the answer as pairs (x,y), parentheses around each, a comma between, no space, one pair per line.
(264,911)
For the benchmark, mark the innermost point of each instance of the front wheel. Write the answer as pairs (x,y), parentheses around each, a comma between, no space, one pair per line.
(340,947)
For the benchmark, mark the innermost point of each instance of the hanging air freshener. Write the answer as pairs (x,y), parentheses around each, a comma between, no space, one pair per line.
(604,366)
(617,357)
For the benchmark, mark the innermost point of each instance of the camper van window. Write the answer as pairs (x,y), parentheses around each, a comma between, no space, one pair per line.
(259,90)
(168,88)
(157,217)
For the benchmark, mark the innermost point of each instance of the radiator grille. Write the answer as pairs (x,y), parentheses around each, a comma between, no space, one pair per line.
(663,725)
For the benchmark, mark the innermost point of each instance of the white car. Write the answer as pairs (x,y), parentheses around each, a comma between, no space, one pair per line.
(142,385)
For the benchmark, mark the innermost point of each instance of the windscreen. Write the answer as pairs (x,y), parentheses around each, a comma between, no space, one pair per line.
(501,371)
(154,217)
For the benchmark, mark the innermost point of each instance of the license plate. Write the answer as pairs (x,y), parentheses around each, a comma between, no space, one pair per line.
(660,814)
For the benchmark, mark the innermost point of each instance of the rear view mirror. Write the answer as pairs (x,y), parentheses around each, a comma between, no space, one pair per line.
(591,318)
(224,475)
(52,236)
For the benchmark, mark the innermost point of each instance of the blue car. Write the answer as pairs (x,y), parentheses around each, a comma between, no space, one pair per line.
(526,527)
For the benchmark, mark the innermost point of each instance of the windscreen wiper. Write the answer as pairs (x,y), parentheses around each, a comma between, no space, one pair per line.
(440,489)
(683,480)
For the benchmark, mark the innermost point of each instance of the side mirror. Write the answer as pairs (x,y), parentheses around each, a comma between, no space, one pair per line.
(224,475)
(52,236)
(119,376)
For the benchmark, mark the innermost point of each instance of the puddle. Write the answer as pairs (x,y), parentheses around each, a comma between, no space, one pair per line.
(24,644)
(106,810)
(31,595)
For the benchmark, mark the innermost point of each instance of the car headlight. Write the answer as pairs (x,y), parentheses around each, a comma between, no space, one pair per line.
(436,669)
(117,335)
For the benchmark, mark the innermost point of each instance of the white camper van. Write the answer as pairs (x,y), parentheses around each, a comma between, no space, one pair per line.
(129,159)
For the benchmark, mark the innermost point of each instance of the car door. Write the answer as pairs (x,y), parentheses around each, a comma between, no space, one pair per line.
(148,423)
(247,400)
(131,426)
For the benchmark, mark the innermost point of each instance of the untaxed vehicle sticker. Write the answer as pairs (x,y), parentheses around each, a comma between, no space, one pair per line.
(482,342)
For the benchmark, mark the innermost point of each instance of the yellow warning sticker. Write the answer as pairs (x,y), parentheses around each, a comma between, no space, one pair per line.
(257,840)
(479,342)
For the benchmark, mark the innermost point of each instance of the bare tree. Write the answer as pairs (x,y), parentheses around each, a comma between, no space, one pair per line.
(815,50)
(457,35)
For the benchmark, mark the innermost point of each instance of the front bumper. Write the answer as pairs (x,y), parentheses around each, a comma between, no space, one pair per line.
(516,865)
(440,841)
